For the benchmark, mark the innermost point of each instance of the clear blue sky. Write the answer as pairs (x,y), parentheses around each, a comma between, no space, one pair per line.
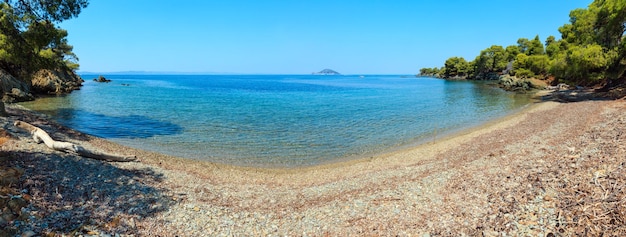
(300,37)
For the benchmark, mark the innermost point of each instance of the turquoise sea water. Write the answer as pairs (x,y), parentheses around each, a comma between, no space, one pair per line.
(275,120)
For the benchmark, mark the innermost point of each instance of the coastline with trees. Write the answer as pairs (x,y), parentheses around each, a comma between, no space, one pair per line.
(35,56)
(590,53)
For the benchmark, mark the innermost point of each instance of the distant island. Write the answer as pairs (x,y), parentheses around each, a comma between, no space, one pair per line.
(326,72)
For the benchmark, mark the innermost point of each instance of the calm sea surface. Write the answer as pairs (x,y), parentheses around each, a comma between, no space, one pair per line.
(275,120)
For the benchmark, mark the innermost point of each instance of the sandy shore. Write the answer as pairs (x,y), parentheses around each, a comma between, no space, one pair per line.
(551,168)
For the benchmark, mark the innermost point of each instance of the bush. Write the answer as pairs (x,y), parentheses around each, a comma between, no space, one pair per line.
(523,73)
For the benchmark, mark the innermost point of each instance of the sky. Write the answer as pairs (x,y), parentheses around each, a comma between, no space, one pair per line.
(300,36)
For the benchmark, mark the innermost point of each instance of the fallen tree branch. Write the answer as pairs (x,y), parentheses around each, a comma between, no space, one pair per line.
(40,135)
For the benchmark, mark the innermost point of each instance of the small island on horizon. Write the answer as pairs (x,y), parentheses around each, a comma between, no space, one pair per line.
(326,72)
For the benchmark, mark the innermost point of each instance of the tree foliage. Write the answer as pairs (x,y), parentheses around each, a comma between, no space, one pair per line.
(583,64)
(535,47)
(15,53)
(553,46)
(456,67)
(595,40)
(47,10)
(523,44)
(531,66)
(580,29)
(436,72)
(511,52)
(592,50)
(29,39)
(492,59)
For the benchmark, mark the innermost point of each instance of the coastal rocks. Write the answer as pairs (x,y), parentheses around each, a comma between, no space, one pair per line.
(13,90)
(45,81)
(490,76)
(17,95)
(435,75)
(59,81)
(457,78)
(101,79)
(511,83)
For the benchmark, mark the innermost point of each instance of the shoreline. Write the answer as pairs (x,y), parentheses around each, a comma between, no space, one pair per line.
(478,181)
(461,135)
(439,135)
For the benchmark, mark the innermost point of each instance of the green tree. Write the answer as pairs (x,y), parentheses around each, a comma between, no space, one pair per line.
(511,52)
(531,66)
(535,47)
(550,40)
(583,64)
(16,55)
(610,26)
(430,71)
(47,10)
(490,60)
(553,46)
(456,67)
(580,30)
(50,44)
(602,25)
(592,50)
(519,66)
(609,23)
(523,44)
(29,39)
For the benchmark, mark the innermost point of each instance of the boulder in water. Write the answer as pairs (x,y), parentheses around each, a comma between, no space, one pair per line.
(101,79)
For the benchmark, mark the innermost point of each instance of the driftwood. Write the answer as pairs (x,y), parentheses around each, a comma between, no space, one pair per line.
(40,135)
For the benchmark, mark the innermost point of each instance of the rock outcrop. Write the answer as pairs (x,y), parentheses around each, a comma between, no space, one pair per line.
(510,83)
(45,81)
(101,79)
(59,81)
(13,90)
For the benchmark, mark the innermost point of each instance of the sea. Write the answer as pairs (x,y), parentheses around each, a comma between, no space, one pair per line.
(276,120)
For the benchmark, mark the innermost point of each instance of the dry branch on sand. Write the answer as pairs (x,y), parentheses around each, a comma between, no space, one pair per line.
(40,135)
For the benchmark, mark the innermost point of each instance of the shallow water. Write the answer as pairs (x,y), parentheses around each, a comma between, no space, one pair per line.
(275,120)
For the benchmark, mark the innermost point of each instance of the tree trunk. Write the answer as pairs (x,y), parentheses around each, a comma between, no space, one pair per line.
(40,135)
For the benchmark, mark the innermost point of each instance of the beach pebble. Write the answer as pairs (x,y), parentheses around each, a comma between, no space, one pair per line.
(28,233)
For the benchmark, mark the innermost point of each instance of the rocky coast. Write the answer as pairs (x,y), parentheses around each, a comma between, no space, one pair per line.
(43,82)
(554,169)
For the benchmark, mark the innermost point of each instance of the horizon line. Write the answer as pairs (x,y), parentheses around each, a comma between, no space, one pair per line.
(220,73)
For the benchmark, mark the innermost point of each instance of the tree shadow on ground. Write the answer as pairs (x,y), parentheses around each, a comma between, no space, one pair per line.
(68,194)
(568,96)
